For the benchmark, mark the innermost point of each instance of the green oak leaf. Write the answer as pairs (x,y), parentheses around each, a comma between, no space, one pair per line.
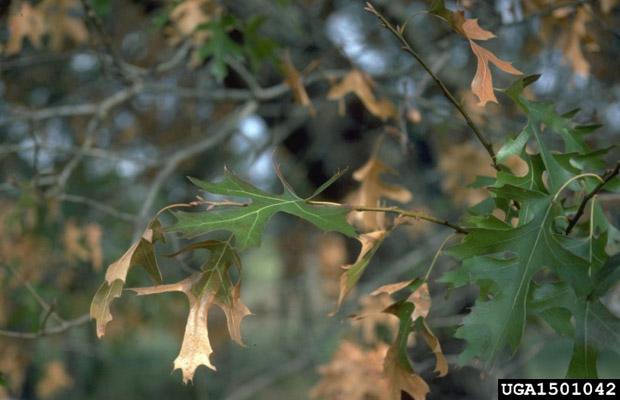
(247,223)
(503,259)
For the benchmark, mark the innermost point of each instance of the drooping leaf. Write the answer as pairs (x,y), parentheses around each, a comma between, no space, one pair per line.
(247,223)
(25,22)
(361,85)
(203,289)
(141,254)
(482,84)
(370,244)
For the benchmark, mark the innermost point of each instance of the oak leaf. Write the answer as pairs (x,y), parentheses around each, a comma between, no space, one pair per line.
(203,289)
(140,253)
(361,85)
(188,15)
(401,376)
(482,84)
(371,191)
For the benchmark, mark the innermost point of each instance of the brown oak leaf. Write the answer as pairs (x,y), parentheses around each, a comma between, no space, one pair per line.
(360,84)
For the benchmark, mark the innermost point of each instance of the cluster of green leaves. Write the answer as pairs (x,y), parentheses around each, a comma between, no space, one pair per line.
(526,265)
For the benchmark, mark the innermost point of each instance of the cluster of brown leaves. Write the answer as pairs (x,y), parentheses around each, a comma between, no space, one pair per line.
(375,370)
(59,20)
(211,286)
(362,85)
(568,28)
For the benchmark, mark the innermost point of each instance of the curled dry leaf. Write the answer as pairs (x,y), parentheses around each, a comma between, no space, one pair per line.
(371,191)
(441,364)
(294,81)
(140,253)
(482,84)
(204,289)
(361,85)
(370,243)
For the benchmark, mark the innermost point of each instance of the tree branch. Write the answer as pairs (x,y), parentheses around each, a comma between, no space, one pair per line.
(60,328)
(607,176)
(406,46)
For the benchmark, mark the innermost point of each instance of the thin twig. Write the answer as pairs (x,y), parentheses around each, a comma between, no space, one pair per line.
(395,210)
(606,177)
(60,328)
(103,207)
(406,46)
(219,134)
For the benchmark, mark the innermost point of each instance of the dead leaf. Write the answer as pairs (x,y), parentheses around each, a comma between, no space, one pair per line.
(332,255)
(295,82)
(400,376)
(353,374)
(361,85)
(204,289)
(482,84)
(420,298)
(441,364)
(25,22)
(371,191)
(141,253)
(54,380)
(370,243)
(93,233)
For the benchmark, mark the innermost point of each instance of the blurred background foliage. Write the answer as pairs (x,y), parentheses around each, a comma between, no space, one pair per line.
(107,105)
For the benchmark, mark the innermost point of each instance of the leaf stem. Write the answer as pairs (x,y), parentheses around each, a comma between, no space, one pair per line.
(395,210)
(406,46)
(609,175)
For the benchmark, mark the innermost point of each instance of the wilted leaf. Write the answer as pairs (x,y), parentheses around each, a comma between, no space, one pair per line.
(370,243)
(203,289)
(188,15)
(295,82)
(441,364)
(371,191)
(397,366)
(361,85)
(140,253)
(482,84)
(247,223)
